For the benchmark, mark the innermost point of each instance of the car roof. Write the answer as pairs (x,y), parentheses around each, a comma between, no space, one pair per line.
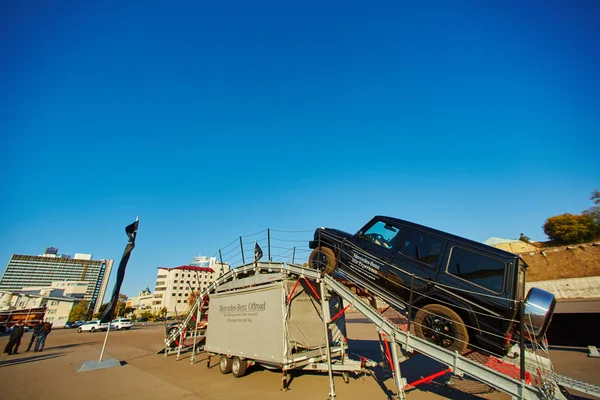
(450,236)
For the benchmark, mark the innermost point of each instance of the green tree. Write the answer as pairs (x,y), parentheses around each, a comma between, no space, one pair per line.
(79,311)
(594,211)
(128,310)
(146,314)
(596,196)
(100,310)
(571,228)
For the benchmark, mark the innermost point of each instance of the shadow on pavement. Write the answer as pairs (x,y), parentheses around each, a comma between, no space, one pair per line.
(416,367)
(24,360)
(66,346)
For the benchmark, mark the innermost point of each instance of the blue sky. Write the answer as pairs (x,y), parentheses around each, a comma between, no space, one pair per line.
(211,120)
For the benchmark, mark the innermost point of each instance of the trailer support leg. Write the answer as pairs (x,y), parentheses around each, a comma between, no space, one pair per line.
(208,360)
(284,381)
(327,317)
(400,382)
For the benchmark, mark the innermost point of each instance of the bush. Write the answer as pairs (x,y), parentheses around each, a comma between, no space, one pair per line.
(570,228)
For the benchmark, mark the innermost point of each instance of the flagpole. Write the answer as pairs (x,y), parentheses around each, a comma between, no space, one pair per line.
(104,345)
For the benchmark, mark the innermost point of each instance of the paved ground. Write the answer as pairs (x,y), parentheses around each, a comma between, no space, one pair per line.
(52,373)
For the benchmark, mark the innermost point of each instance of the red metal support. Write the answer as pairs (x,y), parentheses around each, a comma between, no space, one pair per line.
(292,292)
(387,352)
(336,316)
(427,379)
(312,288)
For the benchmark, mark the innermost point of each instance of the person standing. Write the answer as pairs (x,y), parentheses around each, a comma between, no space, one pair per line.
(36,332)
(12,347)
(41,342)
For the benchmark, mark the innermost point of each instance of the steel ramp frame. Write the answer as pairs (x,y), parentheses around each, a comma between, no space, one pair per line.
(460,365)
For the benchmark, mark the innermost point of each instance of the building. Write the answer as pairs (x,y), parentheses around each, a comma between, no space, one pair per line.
(19,304)
(40,271)
(174,285)
(143,301)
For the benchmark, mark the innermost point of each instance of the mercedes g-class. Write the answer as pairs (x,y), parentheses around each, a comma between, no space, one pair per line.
(463,292)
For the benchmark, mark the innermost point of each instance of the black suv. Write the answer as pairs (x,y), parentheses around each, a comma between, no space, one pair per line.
(463,292)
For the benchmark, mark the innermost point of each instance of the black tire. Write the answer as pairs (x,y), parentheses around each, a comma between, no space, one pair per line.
(322,258)
(78,330)
(225,364)
(238,367)
(93,329)
(440,325)
(170,334)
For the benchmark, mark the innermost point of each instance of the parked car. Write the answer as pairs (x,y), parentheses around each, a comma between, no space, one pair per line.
(121,323)
(463,292)
(78,324)
(69,325)
(142,320)
(92,326)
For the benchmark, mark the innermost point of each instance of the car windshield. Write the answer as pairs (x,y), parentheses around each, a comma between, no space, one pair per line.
(125,320)
(381,234)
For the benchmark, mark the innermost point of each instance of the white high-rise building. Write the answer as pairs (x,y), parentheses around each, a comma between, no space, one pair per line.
(174,285)
(40,271)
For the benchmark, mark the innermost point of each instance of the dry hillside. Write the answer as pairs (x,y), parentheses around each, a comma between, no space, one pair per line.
(576,261)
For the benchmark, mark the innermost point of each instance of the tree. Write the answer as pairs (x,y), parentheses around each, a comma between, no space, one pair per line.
(128,310)
(79,311)
(596,196)
(146,314)
(101,310)
(570,228)
(191,300)
(594,211)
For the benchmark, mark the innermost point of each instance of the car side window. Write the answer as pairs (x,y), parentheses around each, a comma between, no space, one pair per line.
(381,234)
(421,247)
(477,268)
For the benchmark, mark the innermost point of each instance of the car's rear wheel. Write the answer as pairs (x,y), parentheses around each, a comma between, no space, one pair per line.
(238,367)
(442,326)
(173,333)
(93,330)
(322,258)
(225,364)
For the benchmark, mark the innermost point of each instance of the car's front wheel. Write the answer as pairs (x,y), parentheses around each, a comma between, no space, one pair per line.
(79,330)
(93,330)
(323,258)
(442,326)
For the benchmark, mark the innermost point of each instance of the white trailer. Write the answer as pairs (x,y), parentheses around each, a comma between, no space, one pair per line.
(279,323)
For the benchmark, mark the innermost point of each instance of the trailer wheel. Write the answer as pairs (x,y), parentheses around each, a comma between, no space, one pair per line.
(225,364)
(238,367)
(322,258)
(442,326)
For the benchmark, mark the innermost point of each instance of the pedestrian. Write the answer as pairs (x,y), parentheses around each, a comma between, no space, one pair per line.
(12,347)
(37,329)
(39,345)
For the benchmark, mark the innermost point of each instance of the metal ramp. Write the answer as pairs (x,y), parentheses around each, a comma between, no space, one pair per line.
(398,338)
(578,385)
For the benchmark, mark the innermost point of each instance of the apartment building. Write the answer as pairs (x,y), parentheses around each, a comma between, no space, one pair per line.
(174,285)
